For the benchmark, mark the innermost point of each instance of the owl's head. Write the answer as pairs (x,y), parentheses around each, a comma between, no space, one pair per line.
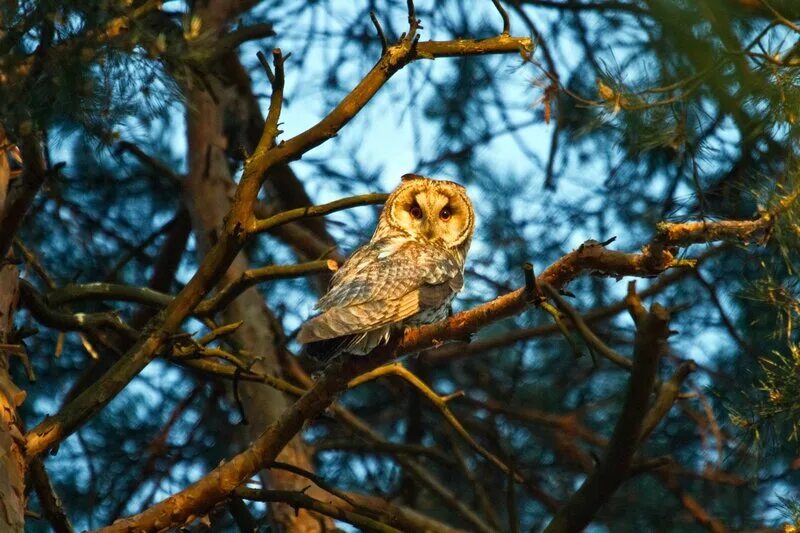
(435,211)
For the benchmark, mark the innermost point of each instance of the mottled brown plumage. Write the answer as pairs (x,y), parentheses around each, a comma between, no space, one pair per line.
(408,273)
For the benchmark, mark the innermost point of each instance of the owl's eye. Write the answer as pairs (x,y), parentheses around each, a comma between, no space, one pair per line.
(416,211)
(445,213)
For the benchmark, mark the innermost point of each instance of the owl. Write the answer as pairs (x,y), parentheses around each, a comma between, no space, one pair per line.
(407,274)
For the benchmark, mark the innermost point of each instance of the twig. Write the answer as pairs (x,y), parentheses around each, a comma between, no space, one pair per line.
(504,14)
(271,130)
(667,394)
(248,278)
(318,480)
(391,448)
(404,518)
(700,515)
(634,303)
(235,386)
(148,160)
(532,292)
(588,335)
(379,29)
(299,499)
(656,463)
(52,507)
(413,22)
(241,35)
(229,371)
(241,515)
(478,488)
(511,505)
(318,210)
(421,473)
(218,332)
(97,291)
(553,312)
(265,65)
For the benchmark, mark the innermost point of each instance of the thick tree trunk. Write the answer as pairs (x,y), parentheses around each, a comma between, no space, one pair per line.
(12,459)
(208,190)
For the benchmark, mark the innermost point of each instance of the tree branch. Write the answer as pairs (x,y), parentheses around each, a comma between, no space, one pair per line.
(239,223)
(20,198)
(667,394)
(650,344)
(52,508)
(299,213)
(299,499)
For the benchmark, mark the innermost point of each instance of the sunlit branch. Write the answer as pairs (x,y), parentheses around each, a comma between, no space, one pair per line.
(300,213)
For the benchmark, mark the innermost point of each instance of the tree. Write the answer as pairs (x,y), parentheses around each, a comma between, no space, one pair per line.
(164,238)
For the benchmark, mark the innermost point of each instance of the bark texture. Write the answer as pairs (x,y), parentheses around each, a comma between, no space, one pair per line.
(12,458)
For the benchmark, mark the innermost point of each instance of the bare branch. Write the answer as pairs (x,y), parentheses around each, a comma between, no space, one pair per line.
(532,293)
(299,499)
(52,508)
(379,29)
(613,469)
(453,351)
(667,394)
(265,65)
(318,210)
(146,159)
(142,295)
(271,130)
(504,15)
(248,278)
(686,233)
(588,335)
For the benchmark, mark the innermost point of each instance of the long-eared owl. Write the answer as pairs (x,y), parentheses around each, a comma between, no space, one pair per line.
(407,274)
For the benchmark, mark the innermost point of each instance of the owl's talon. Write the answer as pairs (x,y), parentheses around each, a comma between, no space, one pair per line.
(437,343)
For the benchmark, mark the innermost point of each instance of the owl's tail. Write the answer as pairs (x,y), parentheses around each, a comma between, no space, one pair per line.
(330,333)
(328,348)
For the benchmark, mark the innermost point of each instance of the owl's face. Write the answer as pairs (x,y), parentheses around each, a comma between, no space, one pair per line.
(429,210)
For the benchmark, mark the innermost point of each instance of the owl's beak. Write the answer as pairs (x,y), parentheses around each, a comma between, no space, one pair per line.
(427,230)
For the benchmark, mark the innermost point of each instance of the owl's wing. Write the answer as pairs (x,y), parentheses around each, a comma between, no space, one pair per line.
(384,282)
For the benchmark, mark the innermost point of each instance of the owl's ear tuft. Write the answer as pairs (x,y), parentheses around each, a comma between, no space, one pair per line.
(409,177)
